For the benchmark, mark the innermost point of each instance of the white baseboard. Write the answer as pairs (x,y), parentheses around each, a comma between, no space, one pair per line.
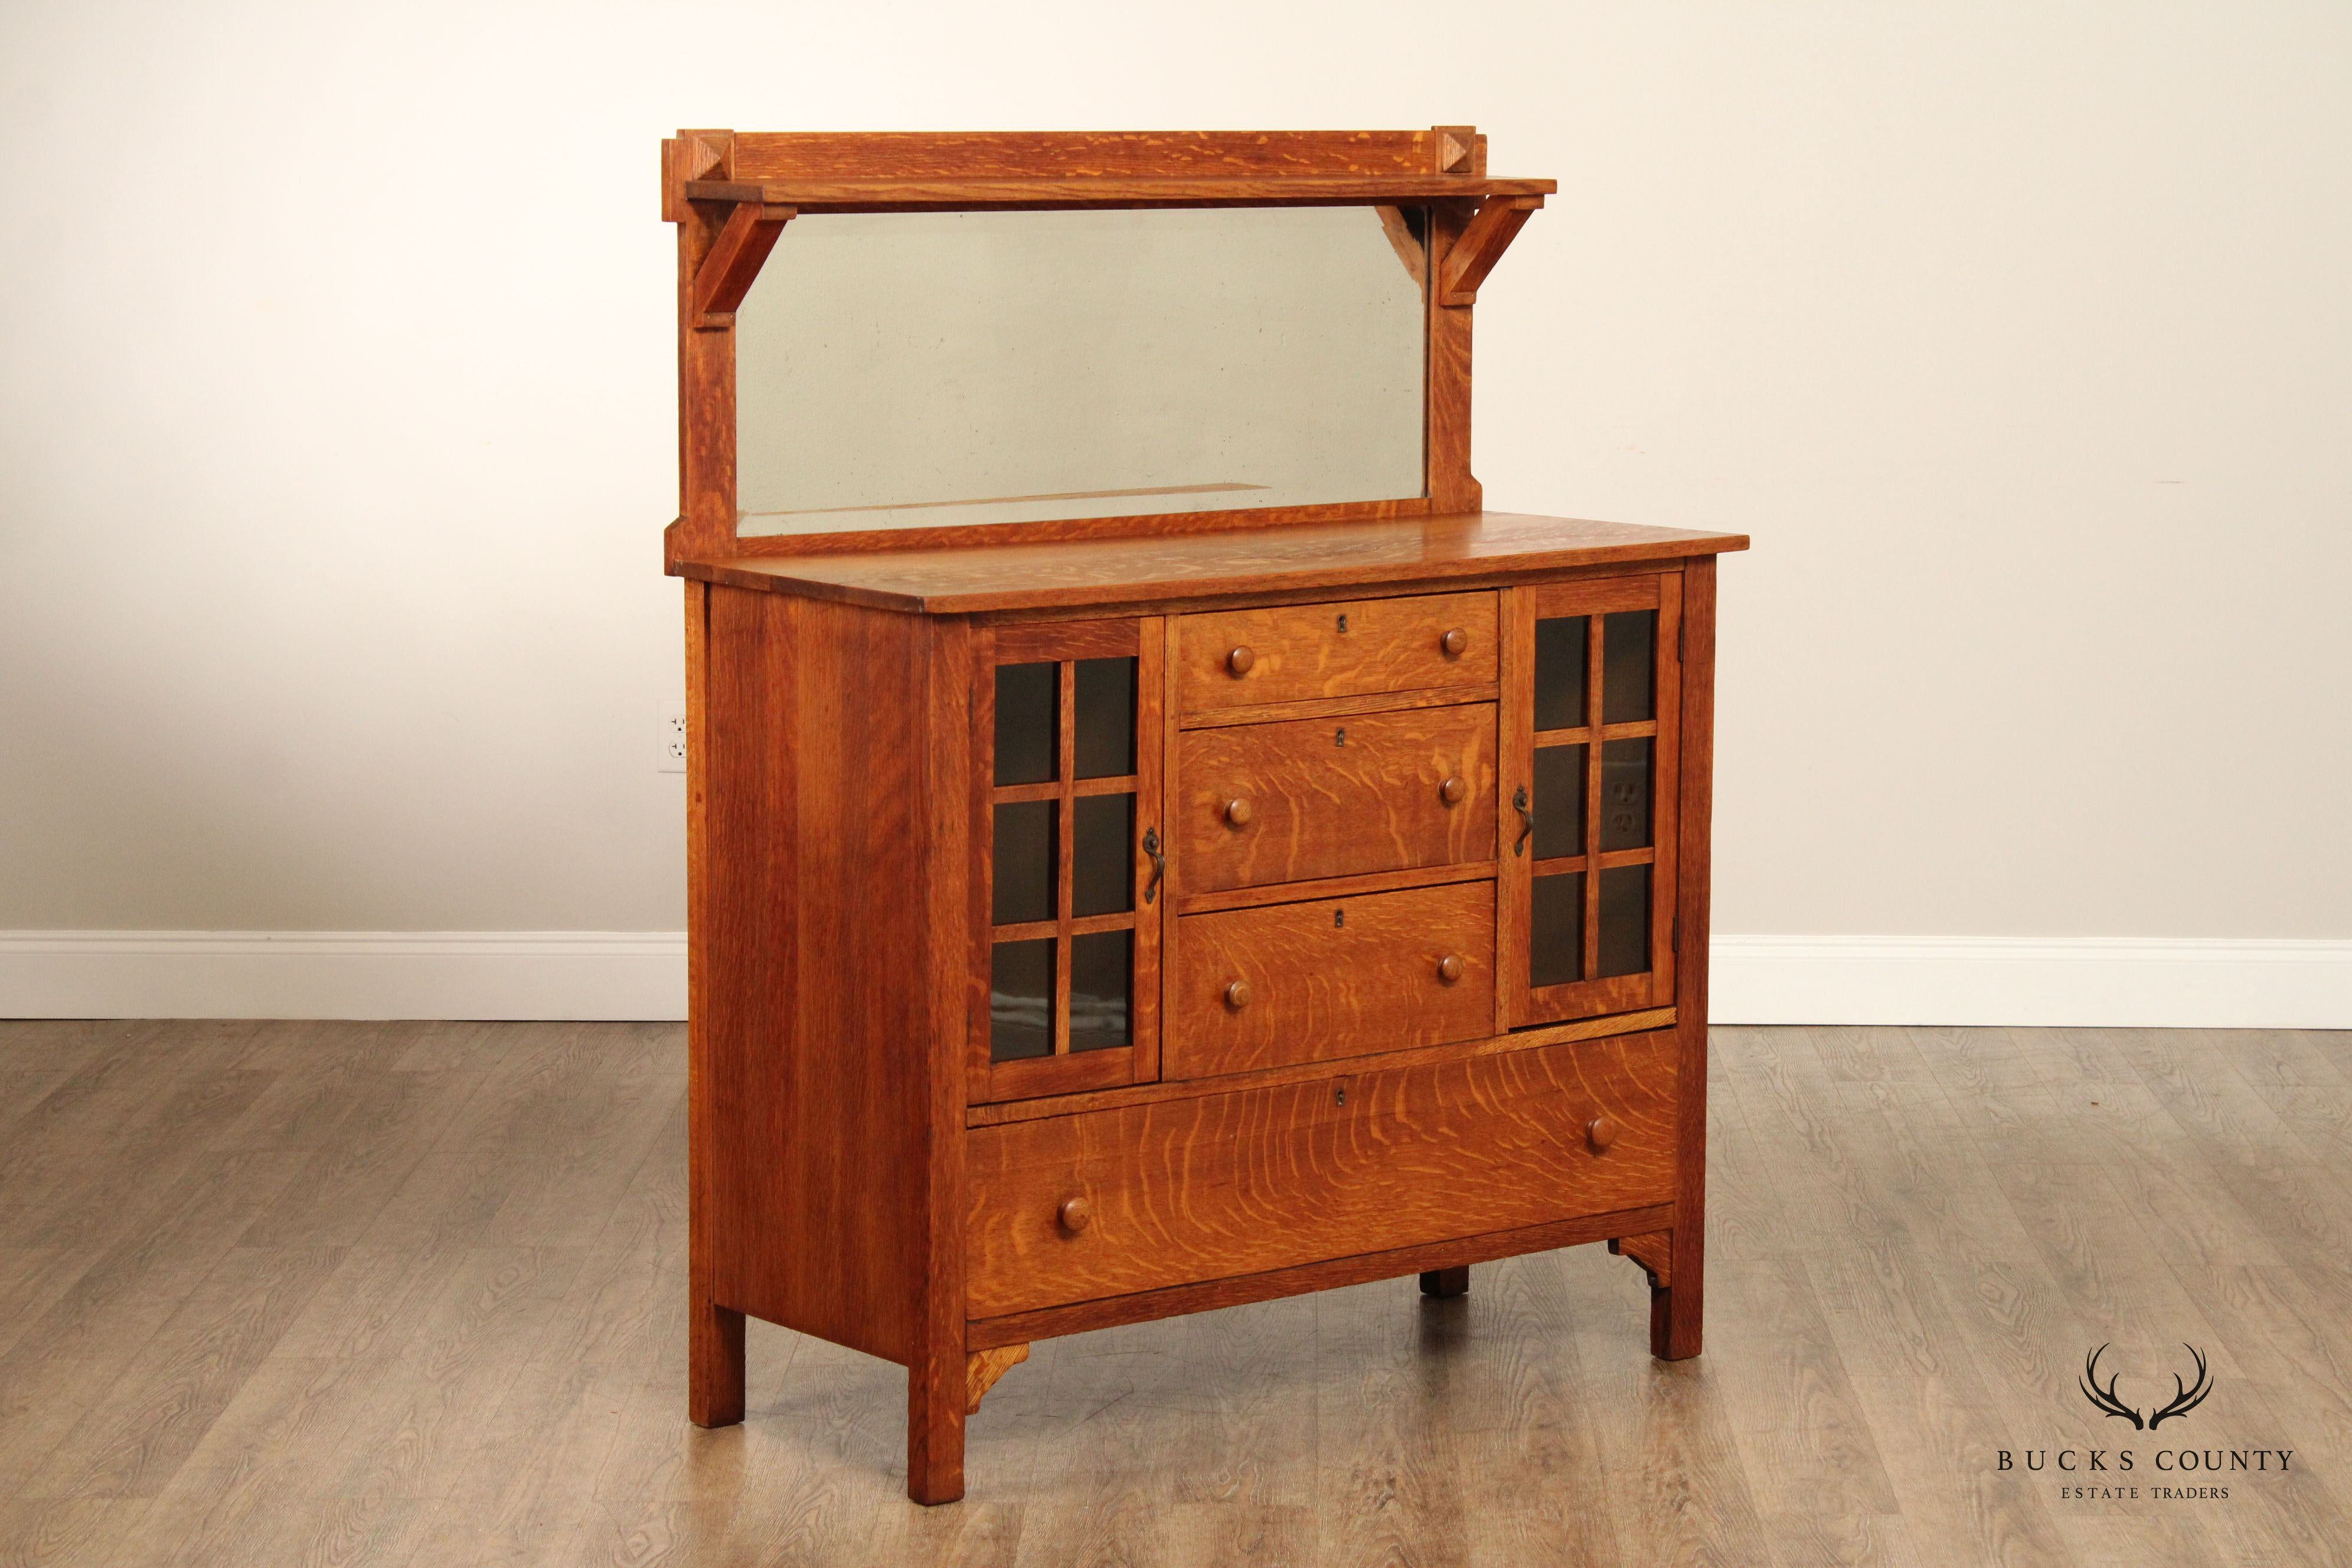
(2090,982)
(343,975)
(2083,982)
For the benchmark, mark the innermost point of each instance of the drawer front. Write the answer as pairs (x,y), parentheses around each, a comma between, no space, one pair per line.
(1331,977)
(1225,1184)
(1290,653)
(1258,803)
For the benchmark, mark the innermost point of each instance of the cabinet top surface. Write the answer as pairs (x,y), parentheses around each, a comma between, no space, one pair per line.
(1040,575)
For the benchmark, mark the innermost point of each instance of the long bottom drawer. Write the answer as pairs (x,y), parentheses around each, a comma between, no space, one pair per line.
(1224,1185)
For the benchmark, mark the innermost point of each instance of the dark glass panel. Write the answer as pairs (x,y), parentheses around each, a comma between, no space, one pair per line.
(1101,969)
(1626,794)
(1021,1000)
(1556,935)
(1629,673)
(1106,699)
(1560,802)
(1102,856)
(1027,698)
(1025,860)
(1624,920)
(1559,673)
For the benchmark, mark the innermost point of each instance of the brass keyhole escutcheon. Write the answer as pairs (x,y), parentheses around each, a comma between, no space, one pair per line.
(1343,626)
(1237,994)
(1452,791)
(1075,1215)
(1601,1133)
(1454,642)
(1237,811)
(1241,660)
(1340,738)
(1449,968)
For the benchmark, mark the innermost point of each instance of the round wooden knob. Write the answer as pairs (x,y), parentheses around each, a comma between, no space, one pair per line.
(1237,811)
(1449,968)
(1075,1215)
(1601,1133)
(1454,642)
(1240,660)
(1237,994)
(1452,791)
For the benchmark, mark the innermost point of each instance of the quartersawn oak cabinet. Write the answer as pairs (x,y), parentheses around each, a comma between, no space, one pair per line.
(1096,918)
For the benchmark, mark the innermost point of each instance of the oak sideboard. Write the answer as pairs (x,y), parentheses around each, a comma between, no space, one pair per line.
(1109,900)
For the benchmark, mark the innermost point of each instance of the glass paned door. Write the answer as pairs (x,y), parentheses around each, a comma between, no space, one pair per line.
(1068,855)
(1592,704)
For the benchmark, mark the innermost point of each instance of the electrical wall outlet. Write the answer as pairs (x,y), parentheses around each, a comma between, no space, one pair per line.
(672,755)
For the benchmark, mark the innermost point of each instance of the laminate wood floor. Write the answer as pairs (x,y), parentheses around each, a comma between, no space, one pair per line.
(413,1294)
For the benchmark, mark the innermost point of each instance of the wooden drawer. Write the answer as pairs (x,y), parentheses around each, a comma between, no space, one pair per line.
(1224,1185)
(1334,797)
(1290,653)
(1331,977)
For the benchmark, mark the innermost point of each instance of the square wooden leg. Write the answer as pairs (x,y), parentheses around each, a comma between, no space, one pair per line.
(938,1393)
(714,1365)
(1446,1281)
(1675,1309)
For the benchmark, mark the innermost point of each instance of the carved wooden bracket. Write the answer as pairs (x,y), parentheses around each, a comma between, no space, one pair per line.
(1653,1251)
(1490,232)
(725,275)
(984,1367)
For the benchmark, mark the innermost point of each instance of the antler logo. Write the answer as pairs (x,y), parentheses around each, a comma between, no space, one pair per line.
(2185,1398)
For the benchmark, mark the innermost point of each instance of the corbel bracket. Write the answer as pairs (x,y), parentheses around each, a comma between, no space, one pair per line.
(1489,233)
(725,275)
(1654,1252)
(982,1368)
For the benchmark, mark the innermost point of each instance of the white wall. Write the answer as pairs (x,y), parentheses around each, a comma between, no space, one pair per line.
(337,425)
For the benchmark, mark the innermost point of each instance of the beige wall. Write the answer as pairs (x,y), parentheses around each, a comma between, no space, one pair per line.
(336,425)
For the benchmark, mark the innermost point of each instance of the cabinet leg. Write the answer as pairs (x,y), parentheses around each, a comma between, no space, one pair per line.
(937,1399)
(714,1365)
(1675,1308)
(1446,1281)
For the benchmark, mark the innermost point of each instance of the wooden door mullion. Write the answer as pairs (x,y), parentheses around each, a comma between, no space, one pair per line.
(1595,717)
(1065,740)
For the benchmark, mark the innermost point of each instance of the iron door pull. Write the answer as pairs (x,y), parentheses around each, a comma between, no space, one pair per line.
(1159,863)
(1526,820)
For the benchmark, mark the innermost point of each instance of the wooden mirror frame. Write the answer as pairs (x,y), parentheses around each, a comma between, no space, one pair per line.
(731,195)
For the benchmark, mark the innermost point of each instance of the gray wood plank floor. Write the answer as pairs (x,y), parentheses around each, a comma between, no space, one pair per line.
(413,1294)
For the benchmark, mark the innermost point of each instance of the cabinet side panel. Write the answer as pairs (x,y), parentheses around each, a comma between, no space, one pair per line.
(814,965)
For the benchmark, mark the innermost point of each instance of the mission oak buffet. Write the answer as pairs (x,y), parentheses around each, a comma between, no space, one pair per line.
(1097,918)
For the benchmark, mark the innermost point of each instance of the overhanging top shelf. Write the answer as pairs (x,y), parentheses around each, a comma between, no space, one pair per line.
(882,195)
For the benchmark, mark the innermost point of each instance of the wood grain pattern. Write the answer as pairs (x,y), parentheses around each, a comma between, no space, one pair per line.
(1076,154)
(984,1368)
(1332,977)
(1393,1263)
(937,1386)
(1319,807)
(1166,569)
(1677,1314)
(1331,888)
(1300,652)
(1268,1179)
(1489,233)
(818,741)
(1407,1055)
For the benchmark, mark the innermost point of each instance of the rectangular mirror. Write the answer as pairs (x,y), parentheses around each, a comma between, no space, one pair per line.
(921,370)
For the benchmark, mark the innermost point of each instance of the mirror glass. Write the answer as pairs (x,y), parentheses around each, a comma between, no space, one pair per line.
(920,370)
